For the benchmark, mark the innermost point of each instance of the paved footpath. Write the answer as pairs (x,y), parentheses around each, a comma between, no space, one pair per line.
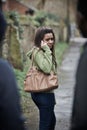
(64,94)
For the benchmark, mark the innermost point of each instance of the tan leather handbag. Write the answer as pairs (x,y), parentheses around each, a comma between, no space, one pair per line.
(38,81)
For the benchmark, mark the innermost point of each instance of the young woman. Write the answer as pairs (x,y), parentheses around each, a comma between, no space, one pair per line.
(44,59)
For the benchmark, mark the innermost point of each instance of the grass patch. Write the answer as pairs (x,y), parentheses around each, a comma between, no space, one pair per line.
(60,49)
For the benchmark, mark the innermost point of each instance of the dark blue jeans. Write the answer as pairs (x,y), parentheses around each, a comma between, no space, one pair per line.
(45,103)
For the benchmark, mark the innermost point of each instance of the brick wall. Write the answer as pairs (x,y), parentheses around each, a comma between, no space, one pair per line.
(16,6)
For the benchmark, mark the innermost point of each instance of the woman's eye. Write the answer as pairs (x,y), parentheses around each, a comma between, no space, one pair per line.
(49,39)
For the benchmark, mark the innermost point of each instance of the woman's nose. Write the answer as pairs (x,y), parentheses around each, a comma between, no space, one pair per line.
(50,41)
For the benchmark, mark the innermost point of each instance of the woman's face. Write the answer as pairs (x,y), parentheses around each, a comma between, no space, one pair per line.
(49,39)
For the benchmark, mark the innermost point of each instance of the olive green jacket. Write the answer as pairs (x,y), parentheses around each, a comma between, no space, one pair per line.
(42,59)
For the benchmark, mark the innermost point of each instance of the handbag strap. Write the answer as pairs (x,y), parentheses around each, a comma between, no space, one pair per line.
(32,57)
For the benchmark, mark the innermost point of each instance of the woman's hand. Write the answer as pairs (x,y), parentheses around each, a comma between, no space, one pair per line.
(43,43)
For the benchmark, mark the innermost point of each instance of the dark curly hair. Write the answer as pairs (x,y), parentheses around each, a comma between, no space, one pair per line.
(41,31)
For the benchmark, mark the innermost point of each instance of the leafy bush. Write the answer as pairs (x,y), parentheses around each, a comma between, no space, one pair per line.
(44,18)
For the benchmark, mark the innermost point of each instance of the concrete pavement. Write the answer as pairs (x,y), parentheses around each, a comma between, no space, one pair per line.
(64,94)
